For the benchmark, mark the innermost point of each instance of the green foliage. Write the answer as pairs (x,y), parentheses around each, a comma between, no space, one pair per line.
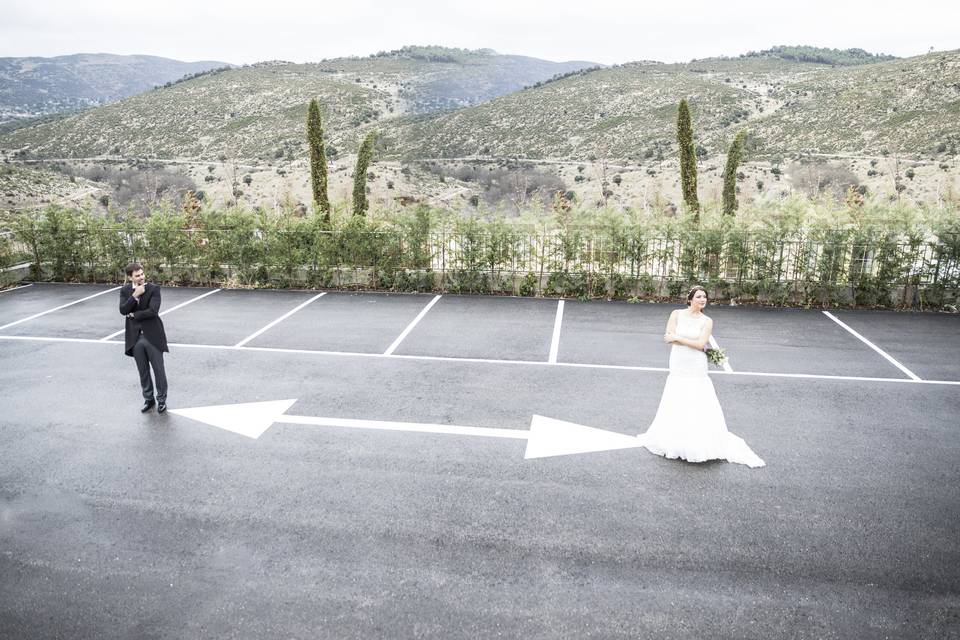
(26,229)
(561,76)
(734,156)
(6,251)
(819,55)
(166,247)
(364,156)
(62,241)
(688,157)
(318,160)
(790,251)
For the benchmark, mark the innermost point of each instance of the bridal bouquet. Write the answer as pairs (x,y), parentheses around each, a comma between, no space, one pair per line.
(716,356)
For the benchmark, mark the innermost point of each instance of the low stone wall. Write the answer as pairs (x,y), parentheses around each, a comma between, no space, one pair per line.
(13,275)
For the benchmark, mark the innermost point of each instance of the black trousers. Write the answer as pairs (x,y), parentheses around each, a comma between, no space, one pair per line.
(147,356)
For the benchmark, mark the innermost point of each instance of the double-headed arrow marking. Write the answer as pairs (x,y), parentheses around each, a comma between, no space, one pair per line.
(546,436)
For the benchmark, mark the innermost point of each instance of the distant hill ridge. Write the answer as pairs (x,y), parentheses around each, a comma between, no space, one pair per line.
(37,86)
(819,55)
(812,55)
(432,53)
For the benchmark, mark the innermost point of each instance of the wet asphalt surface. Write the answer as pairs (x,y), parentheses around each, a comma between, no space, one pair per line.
(115,524)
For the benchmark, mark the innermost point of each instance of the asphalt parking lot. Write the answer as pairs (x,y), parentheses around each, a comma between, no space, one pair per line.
(393,494)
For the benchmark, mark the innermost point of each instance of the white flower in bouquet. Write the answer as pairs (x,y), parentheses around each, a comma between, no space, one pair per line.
(716,356)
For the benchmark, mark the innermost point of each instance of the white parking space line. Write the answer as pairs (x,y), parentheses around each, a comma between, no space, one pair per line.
(555,340)
(23,286)
(52,339)
(726,365)
(534,363)
(163,313)
(63,306)
(423,312)
(278,320)
(912,375)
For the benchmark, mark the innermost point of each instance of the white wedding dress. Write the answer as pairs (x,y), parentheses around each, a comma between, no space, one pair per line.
(689,422)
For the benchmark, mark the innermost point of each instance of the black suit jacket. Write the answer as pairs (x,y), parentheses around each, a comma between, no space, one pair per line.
(146,317)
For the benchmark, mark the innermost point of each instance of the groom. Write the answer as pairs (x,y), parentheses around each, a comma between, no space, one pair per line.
(144,337)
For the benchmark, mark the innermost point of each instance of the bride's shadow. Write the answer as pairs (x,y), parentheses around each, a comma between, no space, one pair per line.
(706,464)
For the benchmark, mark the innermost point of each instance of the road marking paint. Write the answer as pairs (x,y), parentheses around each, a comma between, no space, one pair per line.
(23,286)
(555,340)
(388,425)
(873,346)
(55,339)
(536,363)
(163,313)
(546,437)
(423,312)
(63,306)
(278,320)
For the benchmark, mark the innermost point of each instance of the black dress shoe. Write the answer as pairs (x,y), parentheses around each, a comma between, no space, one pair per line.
(147,406)
(162,407)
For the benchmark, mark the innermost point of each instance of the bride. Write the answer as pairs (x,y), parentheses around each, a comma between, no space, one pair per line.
(689,422)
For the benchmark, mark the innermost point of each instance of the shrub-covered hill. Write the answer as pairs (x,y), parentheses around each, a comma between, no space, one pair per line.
(901,105)
(621,112)
(439,78)
(627,113)
(908,106)
(258,112)
(36,86)
(820,55)
(252,112)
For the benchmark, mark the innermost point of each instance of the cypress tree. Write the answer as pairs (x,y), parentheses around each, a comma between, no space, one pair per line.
(730,174)
(364,156)
(688,158)
(318,160)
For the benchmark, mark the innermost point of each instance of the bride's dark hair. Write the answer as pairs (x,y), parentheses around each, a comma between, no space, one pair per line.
(693,292)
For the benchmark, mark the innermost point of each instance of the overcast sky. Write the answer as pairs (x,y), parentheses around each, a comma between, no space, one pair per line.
(603,31)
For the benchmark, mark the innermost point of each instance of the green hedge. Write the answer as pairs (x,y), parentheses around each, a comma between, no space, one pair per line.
(6,250)
(792,251)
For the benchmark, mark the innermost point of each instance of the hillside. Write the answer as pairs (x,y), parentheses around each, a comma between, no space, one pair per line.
(622,112)
(792,100)
(251,112)
(439,78)
(39,86)
(906,106)
(628,112)
(257,112)
(819,121)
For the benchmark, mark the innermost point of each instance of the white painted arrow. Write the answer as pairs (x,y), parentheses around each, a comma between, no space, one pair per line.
(546,437)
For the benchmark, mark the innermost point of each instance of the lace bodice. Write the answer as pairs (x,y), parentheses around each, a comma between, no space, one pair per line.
(689,327)
(683,359)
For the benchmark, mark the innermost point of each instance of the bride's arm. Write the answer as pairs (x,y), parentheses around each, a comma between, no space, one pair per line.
(670,334)
(701,340)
